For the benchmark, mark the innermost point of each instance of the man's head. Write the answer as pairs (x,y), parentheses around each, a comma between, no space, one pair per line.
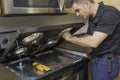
(83,8)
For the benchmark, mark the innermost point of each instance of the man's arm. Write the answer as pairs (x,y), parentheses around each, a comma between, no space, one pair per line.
(83,35)
(87,40)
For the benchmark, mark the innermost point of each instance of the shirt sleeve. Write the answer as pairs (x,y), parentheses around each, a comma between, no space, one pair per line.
(108,22)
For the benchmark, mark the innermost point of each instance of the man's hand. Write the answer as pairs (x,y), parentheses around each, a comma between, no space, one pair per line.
(65,34)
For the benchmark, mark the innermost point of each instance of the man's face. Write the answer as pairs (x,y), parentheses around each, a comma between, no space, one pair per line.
(82,10)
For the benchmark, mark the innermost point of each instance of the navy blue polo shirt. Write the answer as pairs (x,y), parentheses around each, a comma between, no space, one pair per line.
(106,20)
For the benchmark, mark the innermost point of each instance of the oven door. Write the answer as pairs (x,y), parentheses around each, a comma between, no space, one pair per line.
(31,6)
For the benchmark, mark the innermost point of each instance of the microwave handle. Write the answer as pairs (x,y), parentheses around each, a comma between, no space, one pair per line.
(61,4)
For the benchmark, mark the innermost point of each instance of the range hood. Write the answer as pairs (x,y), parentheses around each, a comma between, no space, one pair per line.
(9,7)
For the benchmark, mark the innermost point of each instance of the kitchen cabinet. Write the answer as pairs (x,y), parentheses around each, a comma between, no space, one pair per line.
(0,7)
(115,3)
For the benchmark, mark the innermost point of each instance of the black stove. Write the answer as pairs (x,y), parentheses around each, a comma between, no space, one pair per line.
(33,54)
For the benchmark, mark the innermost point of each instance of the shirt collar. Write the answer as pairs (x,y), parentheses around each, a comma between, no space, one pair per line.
(100,7)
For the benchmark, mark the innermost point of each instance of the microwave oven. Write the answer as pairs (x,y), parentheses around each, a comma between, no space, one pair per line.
(31,6)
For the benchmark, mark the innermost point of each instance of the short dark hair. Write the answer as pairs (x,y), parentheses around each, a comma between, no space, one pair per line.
(71,2)
(81,1)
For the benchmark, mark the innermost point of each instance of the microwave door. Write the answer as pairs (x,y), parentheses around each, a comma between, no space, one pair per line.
(30,6)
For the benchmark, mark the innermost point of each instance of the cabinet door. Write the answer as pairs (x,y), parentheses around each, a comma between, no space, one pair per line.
(115,3)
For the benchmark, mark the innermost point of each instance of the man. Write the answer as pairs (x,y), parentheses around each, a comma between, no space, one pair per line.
(103,36)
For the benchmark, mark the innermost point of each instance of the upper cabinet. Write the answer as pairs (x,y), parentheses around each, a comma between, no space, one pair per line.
(0,7)
(68,6)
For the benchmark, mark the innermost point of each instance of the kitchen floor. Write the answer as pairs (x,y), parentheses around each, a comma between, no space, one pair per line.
(6,74)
